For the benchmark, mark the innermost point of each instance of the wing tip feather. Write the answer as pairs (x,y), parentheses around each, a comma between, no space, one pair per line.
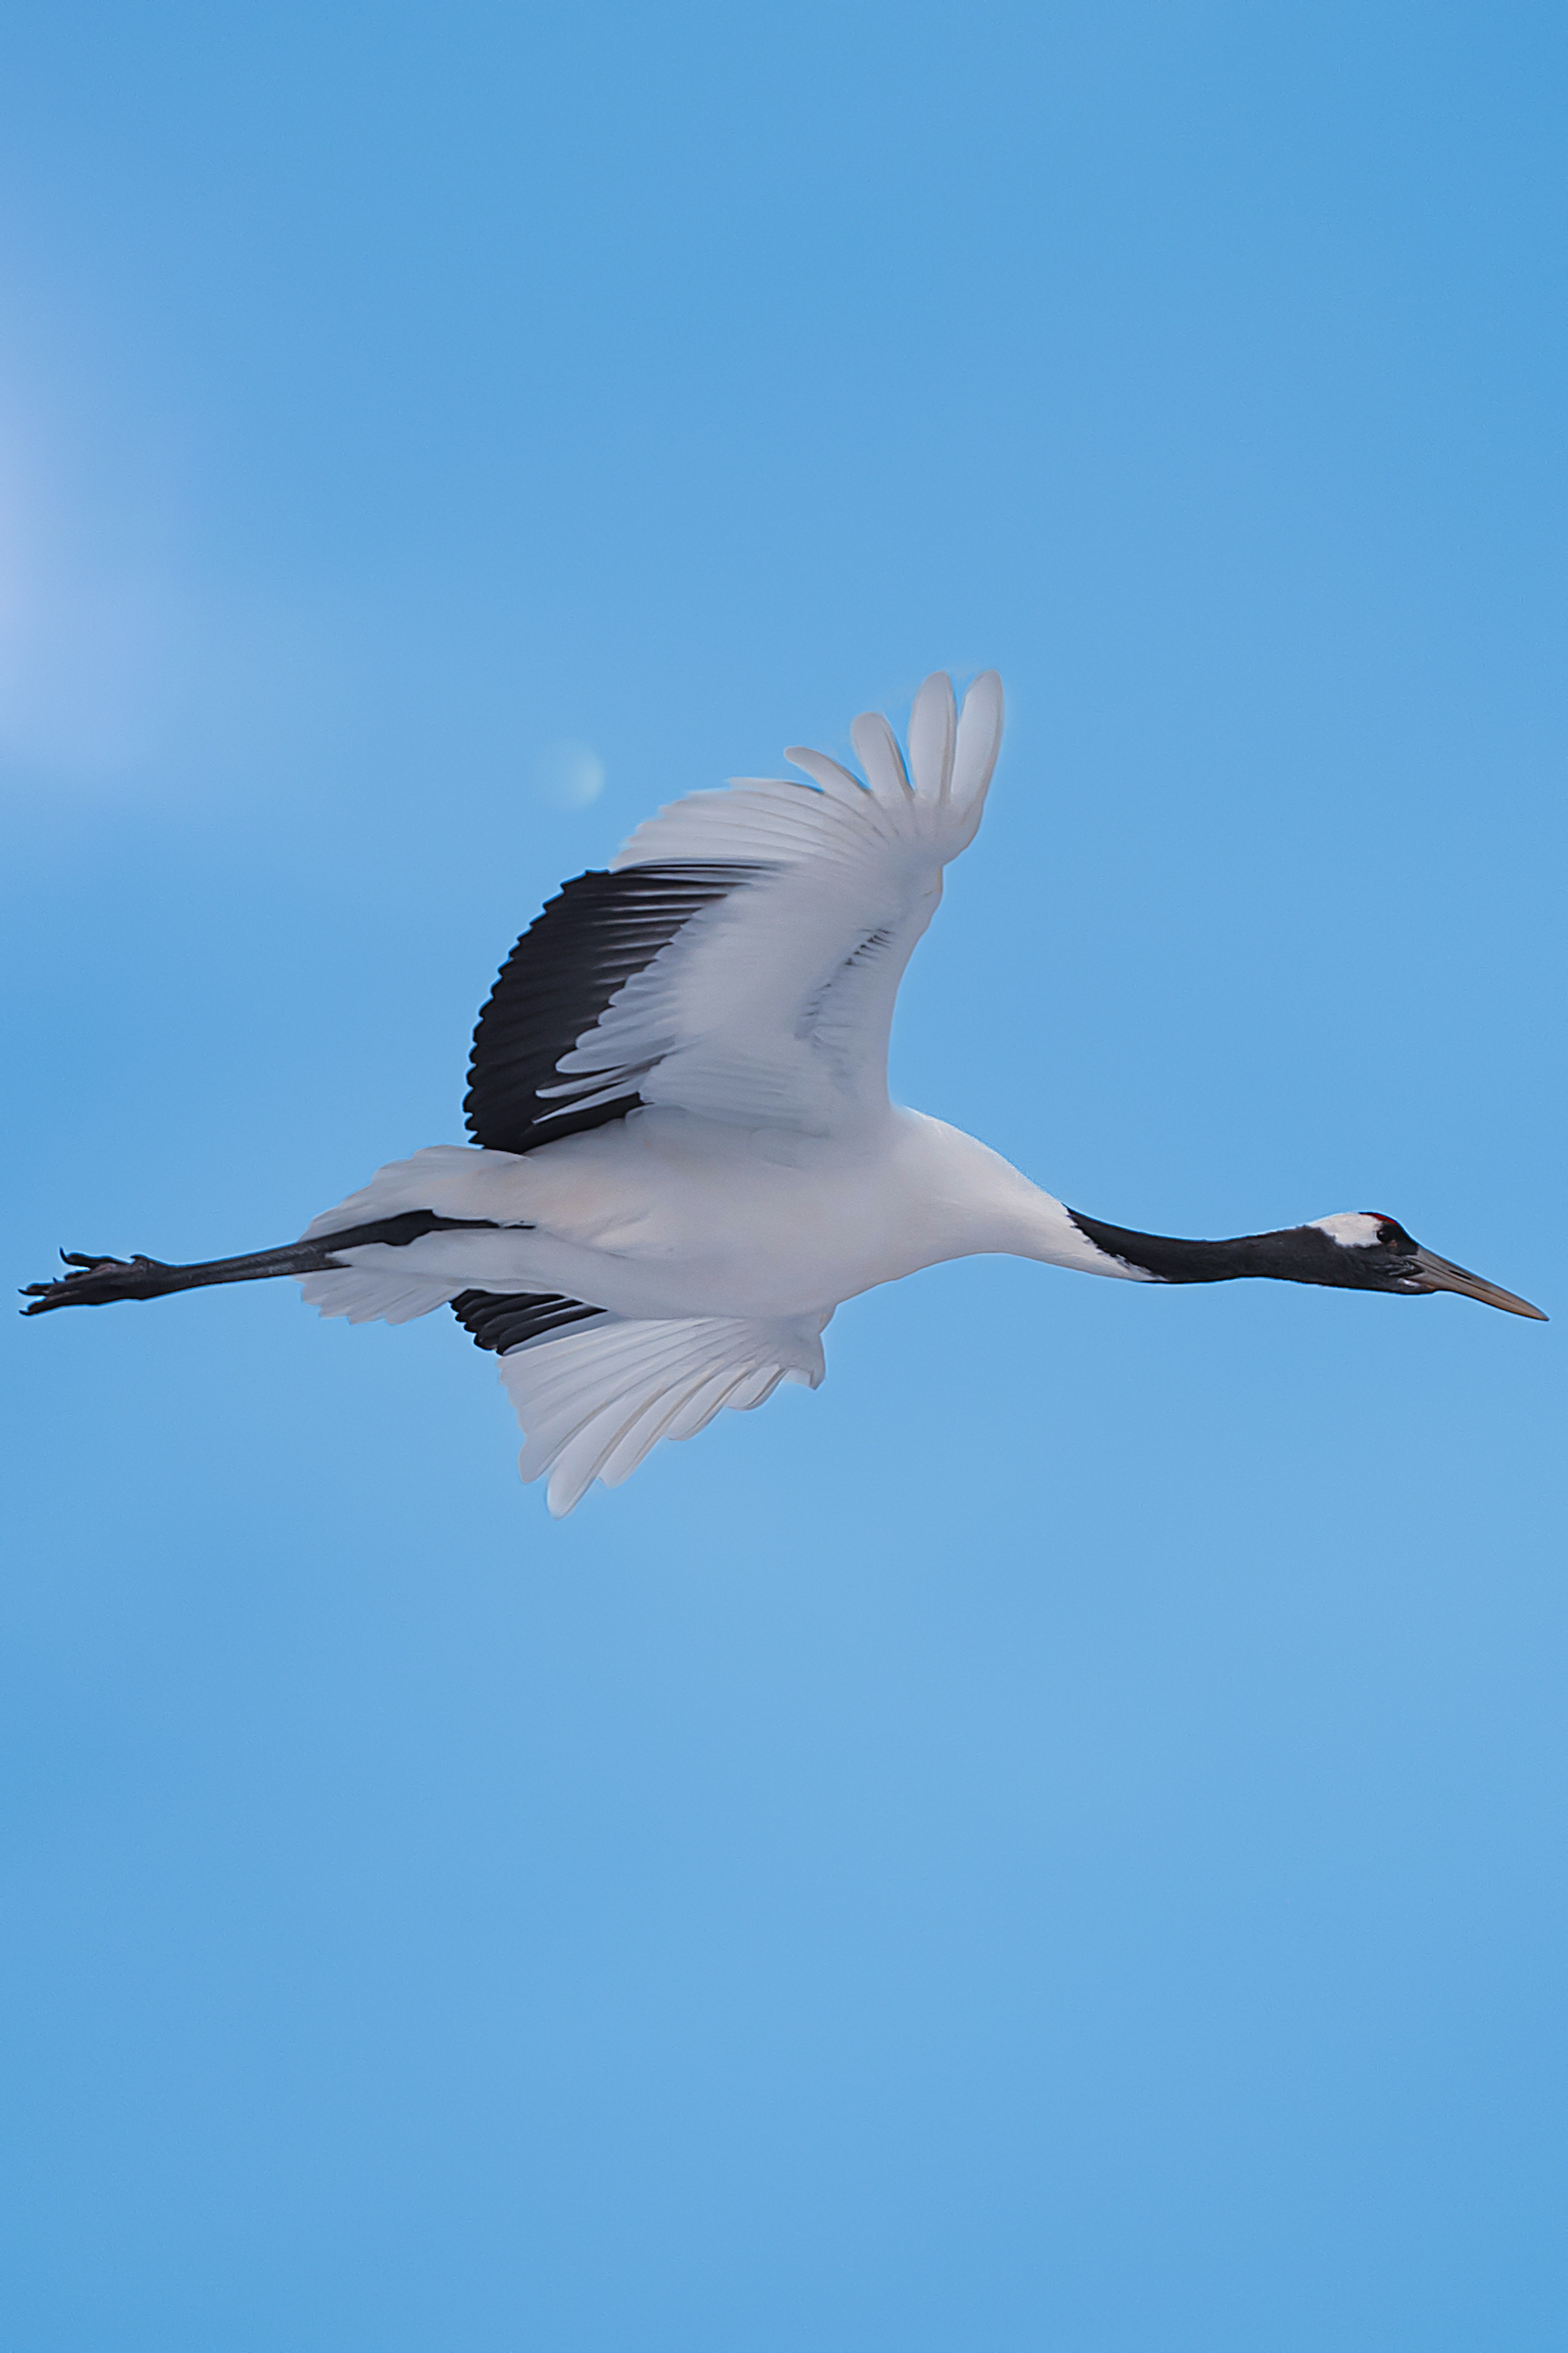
(933,731)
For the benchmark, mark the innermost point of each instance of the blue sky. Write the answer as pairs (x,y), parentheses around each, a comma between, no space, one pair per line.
(1055,1839)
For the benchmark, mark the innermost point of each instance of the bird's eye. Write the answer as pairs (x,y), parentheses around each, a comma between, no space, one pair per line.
(1390,1235)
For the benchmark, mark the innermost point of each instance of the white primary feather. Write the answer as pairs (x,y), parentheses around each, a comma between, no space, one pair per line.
(978,741)
(773,1007)
(594,1399)
(878,751)
(933,729)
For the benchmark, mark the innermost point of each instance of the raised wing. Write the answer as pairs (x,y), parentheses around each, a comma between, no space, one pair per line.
(742,956)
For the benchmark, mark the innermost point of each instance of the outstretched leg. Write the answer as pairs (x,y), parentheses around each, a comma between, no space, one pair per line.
(94,1282)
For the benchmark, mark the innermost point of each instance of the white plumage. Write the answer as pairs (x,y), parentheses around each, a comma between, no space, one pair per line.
(764,1176)
(685,1158)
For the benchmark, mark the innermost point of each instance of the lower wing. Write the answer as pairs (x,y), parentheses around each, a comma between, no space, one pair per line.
(595,1398)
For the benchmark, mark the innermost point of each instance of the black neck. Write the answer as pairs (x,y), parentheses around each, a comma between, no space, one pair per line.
(1295,1254)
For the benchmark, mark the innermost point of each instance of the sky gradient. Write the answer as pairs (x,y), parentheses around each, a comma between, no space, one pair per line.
(1057,1839)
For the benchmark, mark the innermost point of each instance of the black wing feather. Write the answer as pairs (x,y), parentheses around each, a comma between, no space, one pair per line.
(503,1320)
(576,956)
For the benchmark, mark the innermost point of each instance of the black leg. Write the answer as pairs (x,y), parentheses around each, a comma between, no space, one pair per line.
(95,1282)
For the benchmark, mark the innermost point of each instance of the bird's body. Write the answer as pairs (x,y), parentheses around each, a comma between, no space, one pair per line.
(664,1213)
(684,1155)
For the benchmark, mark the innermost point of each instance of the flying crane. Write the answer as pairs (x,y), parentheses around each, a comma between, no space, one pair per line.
(685,1158)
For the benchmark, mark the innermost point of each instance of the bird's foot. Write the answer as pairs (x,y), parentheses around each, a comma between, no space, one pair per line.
(94,1282)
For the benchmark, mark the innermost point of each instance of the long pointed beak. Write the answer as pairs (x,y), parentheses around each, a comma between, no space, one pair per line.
(1438,1274)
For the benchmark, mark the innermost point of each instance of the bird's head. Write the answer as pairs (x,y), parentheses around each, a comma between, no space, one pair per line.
(1374,1254)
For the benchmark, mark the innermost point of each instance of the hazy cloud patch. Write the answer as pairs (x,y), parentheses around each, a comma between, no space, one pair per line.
(568,775)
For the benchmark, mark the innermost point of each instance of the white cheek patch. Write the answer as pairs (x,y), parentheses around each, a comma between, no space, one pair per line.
(1352,1228)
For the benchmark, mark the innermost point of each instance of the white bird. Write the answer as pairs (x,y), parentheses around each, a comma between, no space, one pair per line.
(684,1155)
